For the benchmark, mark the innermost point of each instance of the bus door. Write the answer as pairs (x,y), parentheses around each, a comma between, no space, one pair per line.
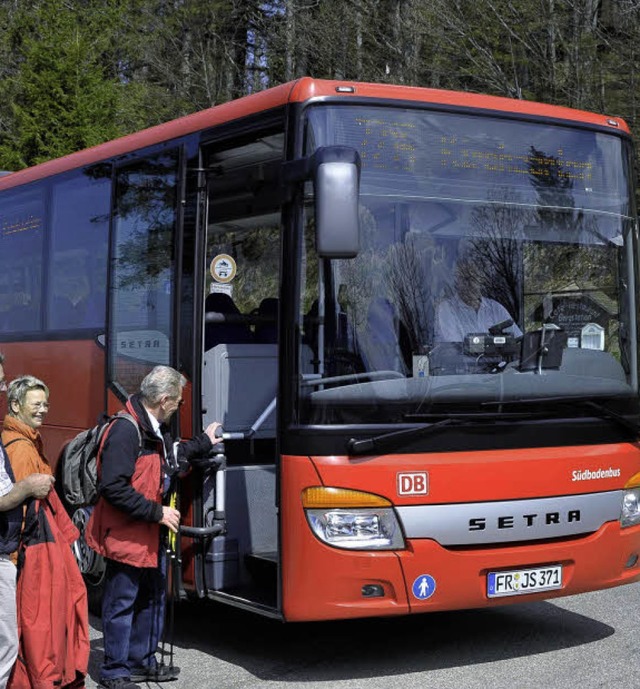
(142,275)
(239,382)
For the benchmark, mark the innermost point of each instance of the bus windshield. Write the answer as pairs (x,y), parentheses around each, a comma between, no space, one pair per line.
(496,265)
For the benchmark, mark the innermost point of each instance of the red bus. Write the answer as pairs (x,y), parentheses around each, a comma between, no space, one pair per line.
(413,311)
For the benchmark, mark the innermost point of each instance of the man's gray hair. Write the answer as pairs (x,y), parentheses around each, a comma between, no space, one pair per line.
(160,382)
(19,387)
(1,358)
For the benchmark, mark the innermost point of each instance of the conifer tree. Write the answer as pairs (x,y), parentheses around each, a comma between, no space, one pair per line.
(64,89)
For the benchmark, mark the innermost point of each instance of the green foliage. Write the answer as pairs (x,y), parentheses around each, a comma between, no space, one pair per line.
(63,97)
(74,73)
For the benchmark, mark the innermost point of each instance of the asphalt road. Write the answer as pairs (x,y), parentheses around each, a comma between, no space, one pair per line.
(585,641)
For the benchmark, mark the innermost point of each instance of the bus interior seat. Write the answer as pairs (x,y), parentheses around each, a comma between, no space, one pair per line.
(310,327)
(379,340)
(228,333)
(240,381)
(266,331)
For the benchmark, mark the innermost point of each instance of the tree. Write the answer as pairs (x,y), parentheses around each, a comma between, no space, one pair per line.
(76,72)
(64,86)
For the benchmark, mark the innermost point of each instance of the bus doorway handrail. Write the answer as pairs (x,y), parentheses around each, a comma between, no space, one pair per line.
(217,464)
(255,427)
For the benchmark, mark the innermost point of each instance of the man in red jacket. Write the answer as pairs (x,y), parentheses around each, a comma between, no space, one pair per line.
(125,528)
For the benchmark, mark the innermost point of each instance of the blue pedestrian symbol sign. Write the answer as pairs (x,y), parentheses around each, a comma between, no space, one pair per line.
(424,587)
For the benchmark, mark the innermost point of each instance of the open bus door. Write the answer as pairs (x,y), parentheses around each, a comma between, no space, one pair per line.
(143,279)
(239,265)
(142,282)
(241,349)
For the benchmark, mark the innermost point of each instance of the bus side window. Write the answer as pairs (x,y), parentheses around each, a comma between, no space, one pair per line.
(21,246)
(78,257)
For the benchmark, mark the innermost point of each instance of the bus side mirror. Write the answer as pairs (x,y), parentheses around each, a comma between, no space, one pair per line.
(336,177)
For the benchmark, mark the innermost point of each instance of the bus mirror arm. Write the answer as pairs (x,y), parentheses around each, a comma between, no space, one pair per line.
(335,171)
(302,169)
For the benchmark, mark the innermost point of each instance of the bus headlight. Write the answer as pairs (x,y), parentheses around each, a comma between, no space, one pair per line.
(352,519)
(630,508)
(630,513)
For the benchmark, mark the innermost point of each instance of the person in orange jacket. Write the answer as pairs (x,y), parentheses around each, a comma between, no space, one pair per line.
(28,399)
(12,496)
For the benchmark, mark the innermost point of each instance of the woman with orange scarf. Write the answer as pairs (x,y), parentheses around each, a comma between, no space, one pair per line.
(51,596)
(28,399)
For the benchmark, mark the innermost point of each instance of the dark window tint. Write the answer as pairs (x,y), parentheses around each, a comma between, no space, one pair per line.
(21,243)
(79,247)
(142,268)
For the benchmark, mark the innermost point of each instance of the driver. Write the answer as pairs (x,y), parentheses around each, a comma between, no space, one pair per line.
(468,311)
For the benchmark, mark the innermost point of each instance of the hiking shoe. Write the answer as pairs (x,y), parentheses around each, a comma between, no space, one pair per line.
(160,673)
(118,683)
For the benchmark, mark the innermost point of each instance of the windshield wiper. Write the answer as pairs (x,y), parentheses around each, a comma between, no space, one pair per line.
(602,410)
(475,416)
(388,441)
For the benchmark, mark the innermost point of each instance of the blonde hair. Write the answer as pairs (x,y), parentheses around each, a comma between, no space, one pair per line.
(18,389)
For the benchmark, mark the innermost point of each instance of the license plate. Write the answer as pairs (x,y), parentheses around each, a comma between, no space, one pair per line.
(519,581)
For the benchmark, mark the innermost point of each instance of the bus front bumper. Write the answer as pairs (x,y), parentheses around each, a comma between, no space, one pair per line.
(426,577)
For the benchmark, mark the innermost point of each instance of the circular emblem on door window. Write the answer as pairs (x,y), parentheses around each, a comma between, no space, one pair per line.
(223,268)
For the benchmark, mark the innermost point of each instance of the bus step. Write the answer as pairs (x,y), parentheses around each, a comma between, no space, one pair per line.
(248,600)
(263,568)
(264,556)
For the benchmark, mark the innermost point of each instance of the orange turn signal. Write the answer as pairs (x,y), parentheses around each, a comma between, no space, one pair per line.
(319,497)
(633,482)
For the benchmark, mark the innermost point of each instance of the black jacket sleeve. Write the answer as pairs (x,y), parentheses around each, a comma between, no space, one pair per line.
(118,462)
(193,449)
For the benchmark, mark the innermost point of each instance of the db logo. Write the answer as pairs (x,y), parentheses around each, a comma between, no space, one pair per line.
(413,483)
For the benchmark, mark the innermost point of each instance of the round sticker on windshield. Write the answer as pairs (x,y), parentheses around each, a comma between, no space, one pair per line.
(223,268)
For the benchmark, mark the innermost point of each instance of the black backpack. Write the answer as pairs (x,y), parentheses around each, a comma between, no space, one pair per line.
(77,466)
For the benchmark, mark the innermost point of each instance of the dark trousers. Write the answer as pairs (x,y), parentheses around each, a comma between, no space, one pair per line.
(132,616)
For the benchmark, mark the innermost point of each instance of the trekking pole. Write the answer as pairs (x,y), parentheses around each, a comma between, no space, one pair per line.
(173,563)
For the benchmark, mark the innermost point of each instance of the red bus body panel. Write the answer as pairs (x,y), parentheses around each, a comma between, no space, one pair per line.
(298,92)
(478,476)
(74,372)
(591,562)
(318,581)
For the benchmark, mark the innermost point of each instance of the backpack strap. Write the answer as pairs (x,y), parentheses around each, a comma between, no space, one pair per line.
(29,529)
(128,417)
(15,440)
(107,427)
